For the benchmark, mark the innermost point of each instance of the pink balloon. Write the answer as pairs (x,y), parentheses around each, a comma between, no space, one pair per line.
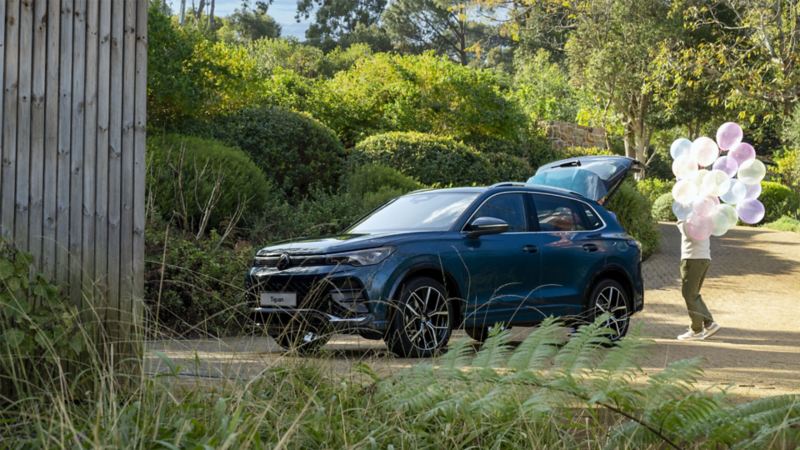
(728,135)
(727,165)
(753,191)
(742,152)
(750,211)
(703,206)
(699,228)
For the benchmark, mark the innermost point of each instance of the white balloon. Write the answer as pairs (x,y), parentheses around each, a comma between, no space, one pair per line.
(705,151)
(713,183)
(680,147)
(684,166)
(736,193)
(684,191)
(680,210)
(751,172)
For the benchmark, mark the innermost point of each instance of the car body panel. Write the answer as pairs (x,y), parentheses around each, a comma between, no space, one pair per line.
(594,177)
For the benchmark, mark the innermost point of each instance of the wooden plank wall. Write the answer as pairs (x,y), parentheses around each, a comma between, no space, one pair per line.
(72,107)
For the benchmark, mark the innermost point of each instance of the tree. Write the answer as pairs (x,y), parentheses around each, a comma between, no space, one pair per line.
(246,24)
(610,54)
(444,26)
(334,20)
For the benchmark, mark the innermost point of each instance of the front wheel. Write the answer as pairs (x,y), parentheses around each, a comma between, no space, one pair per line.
(422,321)
(609,296)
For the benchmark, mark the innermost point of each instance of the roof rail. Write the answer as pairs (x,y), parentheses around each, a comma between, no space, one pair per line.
(508,183)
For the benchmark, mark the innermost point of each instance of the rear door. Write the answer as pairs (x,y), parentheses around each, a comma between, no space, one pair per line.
(594,177)
(572,251)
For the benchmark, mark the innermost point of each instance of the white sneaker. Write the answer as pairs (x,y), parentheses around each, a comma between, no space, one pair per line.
(692,336)
(711,330)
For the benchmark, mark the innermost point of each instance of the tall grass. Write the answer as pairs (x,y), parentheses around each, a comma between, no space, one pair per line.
(557,389)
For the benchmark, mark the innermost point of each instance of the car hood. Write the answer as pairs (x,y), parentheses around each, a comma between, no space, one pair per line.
(333,244)
(594,177)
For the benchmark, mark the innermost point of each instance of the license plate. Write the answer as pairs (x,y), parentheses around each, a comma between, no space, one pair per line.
(279,299)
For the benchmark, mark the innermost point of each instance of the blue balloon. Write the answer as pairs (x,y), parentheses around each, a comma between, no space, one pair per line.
(679,147)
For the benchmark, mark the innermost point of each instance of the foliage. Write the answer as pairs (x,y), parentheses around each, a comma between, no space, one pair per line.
(421,93)
(296,151)
(542,88)
(449,27)
(38,329)
(557,386)
(634,214)
(203,183)
(574,152)
(788,168)
(778,201)
(247,24)
(791,128)
(193,287)
(662,208)
(335,20)
(376,184)
(507,167)
(785,223)
(175,87)
(429,158)
(270,54)
(653,188)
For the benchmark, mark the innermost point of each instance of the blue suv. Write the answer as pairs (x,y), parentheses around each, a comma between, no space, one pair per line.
(435,260)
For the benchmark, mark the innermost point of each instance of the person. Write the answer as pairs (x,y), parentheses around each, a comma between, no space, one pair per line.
(695,261)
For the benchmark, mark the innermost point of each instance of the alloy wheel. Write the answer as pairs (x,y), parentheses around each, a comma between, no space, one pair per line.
(612,300)
(426,318)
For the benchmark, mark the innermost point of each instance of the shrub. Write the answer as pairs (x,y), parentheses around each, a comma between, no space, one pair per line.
(785,223)
(572,152)
(194,287)
(204,183)
(778,200)
(506,167)
(376,184)
(633,211)
(295,150)
(39,331)
(662,208)
(653,188)
(429,158)
(424,93)
(788,169)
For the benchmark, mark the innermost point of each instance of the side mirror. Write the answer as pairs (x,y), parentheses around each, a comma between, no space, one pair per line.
(486,225)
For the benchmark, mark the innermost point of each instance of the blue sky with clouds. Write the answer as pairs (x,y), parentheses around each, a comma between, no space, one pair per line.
(282,10)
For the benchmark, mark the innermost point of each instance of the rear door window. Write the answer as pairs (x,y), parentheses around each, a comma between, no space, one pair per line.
(556,213)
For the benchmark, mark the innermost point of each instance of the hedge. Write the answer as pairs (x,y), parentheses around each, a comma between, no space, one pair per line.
(298,152)
(182,174)
(779,200)
(633,211)
(662,208)
(429,158)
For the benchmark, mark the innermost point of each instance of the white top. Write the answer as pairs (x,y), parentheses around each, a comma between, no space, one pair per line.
(691,249)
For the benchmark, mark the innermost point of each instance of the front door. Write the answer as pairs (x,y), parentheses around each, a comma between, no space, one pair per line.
(503,268)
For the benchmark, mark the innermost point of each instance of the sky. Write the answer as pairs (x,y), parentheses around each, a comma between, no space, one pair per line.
(282,10)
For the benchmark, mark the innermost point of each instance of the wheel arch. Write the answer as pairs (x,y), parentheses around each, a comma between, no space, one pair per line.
(439,274)
(611,272)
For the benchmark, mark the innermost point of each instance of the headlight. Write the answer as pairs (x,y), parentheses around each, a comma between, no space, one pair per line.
(361,257)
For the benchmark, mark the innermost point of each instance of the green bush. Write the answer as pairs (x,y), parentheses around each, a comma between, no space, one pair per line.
(633,211)
(296,151)
(198,289)
(39,331)
(573,152)
(424,93)
(190,176)
(662,208)
(653,188)
(778,200)
(788,168)
(506,167)
(785,223)
(376,184)
(429,158)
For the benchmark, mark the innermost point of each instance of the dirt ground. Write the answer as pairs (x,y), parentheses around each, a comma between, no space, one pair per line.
(753,291)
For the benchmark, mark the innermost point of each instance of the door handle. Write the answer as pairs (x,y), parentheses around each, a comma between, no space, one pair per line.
(530,249)
(590,247)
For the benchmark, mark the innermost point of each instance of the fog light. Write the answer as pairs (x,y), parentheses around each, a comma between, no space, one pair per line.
(350,300)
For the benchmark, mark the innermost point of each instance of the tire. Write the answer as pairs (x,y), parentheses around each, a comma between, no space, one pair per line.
(610,296)
(303,341)
(422,319)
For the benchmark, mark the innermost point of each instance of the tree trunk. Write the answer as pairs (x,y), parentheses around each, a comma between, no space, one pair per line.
(211,16)
(198,13)
(182,14)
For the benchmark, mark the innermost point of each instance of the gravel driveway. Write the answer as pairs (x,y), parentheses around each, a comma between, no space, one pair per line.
(753,290)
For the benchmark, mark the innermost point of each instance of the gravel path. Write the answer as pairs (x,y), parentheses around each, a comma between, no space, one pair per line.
(753,290)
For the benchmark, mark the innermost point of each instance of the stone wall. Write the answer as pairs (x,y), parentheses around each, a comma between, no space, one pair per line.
(565,134)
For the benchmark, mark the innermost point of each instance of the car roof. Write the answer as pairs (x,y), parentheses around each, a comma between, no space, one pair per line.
(502,187)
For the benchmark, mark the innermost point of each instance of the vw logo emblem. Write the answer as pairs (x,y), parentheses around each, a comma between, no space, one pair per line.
(284,261)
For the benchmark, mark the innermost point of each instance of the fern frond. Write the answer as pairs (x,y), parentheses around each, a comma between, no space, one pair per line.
(539,348)
(494,352)
(582,349)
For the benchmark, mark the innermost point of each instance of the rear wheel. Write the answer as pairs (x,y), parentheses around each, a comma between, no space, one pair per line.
(422,321)
(609,296)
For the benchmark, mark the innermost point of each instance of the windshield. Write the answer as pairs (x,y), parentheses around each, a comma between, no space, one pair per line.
(428,211)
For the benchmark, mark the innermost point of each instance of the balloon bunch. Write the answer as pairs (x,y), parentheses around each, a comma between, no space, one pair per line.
(705,178)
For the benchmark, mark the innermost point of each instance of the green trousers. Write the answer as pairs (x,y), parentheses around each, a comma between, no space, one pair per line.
(693,272)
